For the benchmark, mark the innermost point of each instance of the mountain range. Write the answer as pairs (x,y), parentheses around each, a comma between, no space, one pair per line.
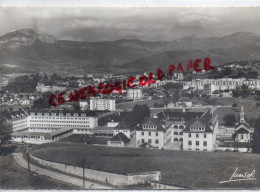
(26,51)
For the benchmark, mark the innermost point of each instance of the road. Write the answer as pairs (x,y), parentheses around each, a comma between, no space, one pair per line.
(58,176)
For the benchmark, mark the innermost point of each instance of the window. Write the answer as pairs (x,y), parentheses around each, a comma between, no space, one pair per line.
(53,114)
(149,140)
(67,114)
(181,139)
(156,141)
(205,135)
(180,133)
(175,133)
(175,139)
(189,143)
(197,135)
(150,133)
(181,127)
(60,114)
(142,133)
(205,143)
(189,134)
(175,126)
(157,134)
(197,143)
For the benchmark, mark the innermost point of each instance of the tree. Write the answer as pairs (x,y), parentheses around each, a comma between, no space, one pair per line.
(5,131)
(229,120)
(42,102)
(256,136)
(138,113)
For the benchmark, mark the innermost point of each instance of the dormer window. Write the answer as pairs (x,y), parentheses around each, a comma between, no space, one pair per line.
(60,114)
(68,114)
(46,114)
(53,114)
(39,114)
(32,113)
(83,115)
(75,114)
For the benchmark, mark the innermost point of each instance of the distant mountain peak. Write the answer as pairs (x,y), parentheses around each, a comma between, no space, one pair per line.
(24,37)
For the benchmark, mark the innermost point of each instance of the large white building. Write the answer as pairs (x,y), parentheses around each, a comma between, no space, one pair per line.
(149,132)
(134,94)
(97,104)
(221,84)
(51,121)
(200,133)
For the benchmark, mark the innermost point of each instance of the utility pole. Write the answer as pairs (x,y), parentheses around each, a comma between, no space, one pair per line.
(83,166)
(28,160)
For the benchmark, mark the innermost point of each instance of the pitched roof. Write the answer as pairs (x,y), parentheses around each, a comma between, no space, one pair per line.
(152,121)
(184,99)
(120,137)
(198,123)
(122,125)
(242,123)
(179,115)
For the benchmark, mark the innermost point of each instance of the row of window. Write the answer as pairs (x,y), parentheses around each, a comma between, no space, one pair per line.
(150,133)
(149,127)
(176,133)
(198,143)
(116,142)
(176,139)
(43,129)
(73,118)
(197,128)
(58,125)
(156,141)
(178,127)
(45,121)
(60,114)
(197,135)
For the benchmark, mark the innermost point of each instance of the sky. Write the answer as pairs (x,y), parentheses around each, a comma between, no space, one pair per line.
(147,24)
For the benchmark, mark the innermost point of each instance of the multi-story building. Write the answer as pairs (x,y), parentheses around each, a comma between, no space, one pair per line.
(221,84)
(97,104)
(52,120)
(134,94)
(151,131)
(200,133)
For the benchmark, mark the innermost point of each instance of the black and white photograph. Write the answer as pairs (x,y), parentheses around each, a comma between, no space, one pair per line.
(129,98)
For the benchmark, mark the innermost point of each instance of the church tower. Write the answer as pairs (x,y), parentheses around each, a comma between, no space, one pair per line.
(242,114)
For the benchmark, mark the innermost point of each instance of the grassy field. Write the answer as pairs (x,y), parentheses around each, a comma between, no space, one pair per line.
(13,176)
(250,109)
(195,170)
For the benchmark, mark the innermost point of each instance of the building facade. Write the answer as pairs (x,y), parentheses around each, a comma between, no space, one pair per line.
(134,94)
(97,104)
(151,132)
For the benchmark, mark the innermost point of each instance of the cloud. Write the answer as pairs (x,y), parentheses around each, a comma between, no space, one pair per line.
(148,24)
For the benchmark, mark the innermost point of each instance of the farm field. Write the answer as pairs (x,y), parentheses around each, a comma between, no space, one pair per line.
(250,108)
(194,170)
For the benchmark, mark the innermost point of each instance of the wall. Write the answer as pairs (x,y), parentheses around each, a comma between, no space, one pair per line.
(101,176)
(115,144)
(153,136)
(232,149)
(201,138)
(157,185)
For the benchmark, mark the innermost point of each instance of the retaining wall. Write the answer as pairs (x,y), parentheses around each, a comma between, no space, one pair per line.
(101,176)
